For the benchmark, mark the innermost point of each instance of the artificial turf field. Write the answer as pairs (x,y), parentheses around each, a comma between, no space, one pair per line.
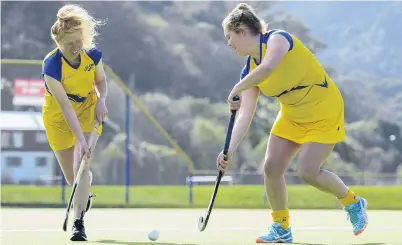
(178,226)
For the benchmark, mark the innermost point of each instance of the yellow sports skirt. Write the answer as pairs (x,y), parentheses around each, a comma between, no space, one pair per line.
(59,134)
(320,122)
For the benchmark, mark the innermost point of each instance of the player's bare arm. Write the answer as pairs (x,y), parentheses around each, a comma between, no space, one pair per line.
(242,124)
(100,80)
(101,86)
(246,114)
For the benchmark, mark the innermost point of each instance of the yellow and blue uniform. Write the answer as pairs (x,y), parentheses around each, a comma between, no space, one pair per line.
(312,108)
(79,84)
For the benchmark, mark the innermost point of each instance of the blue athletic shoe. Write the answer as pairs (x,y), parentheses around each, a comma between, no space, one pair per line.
(276,234)
(357,213)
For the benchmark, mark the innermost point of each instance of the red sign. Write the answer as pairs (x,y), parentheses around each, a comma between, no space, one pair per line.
(29,87)
(29,91)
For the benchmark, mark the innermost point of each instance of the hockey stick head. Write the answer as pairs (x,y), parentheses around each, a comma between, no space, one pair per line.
(65,224)
(203,220)
(202,223)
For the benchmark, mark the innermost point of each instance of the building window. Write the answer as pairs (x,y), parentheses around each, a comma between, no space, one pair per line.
(18,139)
(41,162)
(13,162)
(5,139)
(40,137)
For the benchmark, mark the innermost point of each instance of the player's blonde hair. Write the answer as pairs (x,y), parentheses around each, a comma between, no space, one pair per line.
(244,15)
(71,18)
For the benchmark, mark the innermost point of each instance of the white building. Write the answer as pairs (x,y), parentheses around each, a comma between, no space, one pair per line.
(26,157)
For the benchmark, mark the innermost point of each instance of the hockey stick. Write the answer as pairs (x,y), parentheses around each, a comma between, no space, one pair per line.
(203,220)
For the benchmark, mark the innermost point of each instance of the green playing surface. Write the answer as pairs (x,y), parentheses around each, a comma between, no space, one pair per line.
(231,227)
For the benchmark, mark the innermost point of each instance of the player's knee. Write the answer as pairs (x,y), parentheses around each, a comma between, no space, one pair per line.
(69,179)
(307,173)
(69,176)
(271,167)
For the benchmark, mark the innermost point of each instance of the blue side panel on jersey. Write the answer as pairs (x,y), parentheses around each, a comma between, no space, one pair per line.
(246,69)
(95,54)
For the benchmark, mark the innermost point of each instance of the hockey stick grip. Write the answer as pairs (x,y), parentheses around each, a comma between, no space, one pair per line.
(230,128)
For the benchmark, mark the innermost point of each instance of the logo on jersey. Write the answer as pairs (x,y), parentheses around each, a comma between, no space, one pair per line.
(89,67)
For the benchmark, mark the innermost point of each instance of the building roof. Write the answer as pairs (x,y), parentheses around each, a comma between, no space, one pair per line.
(21,120)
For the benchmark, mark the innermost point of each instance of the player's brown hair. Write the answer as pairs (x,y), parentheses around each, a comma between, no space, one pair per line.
(244,15)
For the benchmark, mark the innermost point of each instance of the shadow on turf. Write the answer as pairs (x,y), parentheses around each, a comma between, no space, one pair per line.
(136,243)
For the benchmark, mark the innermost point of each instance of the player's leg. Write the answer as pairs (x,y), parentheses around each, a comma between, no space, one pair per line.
(81,195)
(61,140)
(311,157)
(82,192)
(65,158)
(278,155)
(86,116)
